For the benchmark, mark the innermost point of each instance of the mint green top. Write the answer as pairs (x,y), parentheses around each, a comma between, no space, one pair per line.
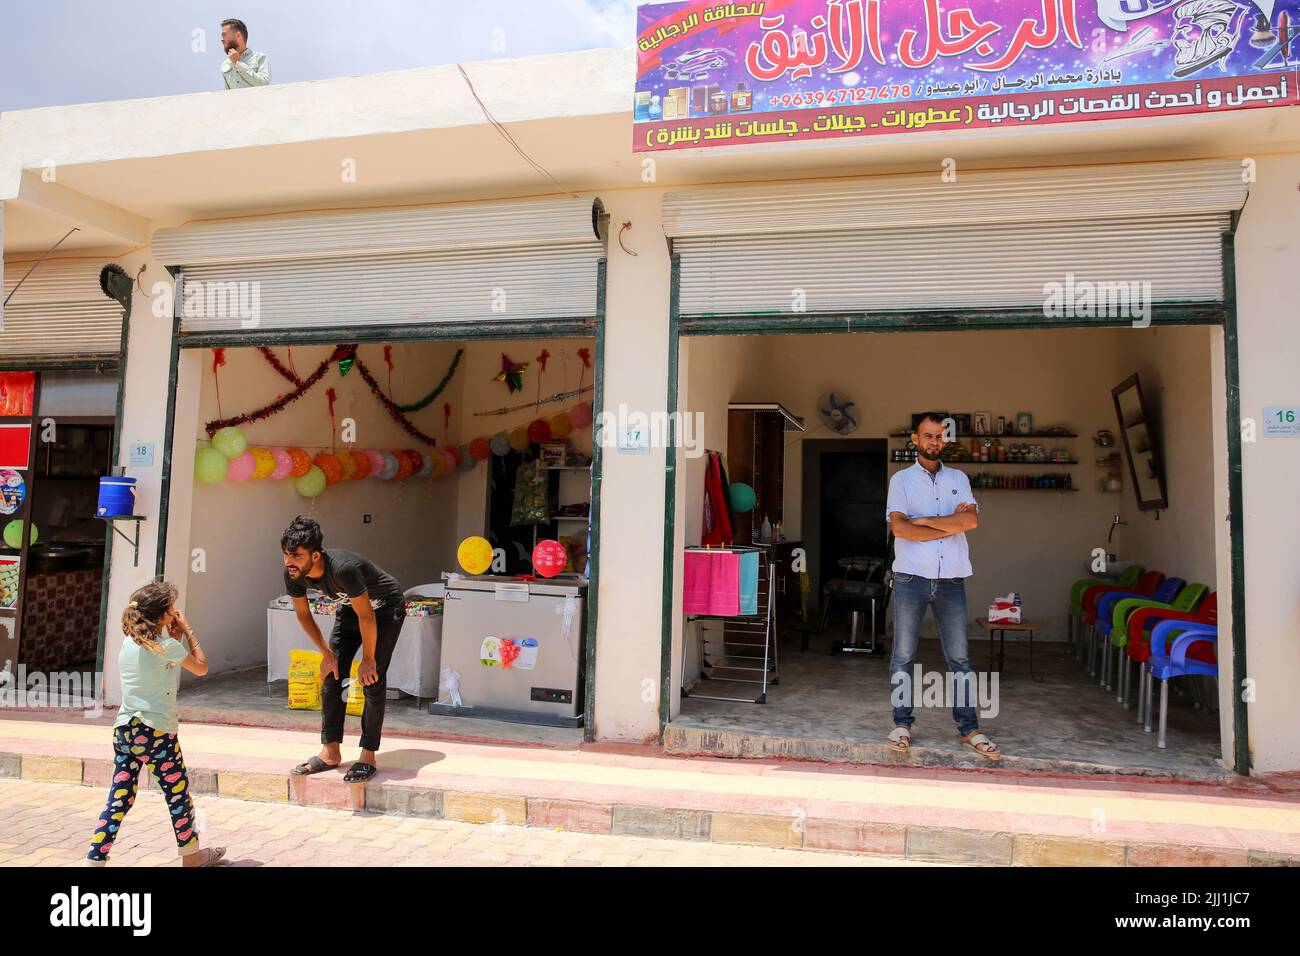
(251,69)
(149,683)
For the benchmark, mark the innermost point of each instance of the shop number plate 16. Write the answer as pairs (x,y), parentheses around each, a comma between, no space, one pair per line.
(1282,420)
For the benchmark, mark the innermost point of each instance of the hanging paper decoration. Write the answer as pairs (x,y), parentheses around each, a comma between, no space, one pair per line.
(388,360)
(542,358)
(330,466)
(218,360)
(362,464)
(511,373)
(263,463)
(584,353)
(560,425)
(331,396)
(404,469)
(210,466)
(539,431)
(428,399)
(242,467)
(549,558)
(479,449)
(230,442)
(301,462)
(446,422)
(283,464)
(500,444)
(376,460)
(580,415)
(347,361)
(519,438)
(311,484)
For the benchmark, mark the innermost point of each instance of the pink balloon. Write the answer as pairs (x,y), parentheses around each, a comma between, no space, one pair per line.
(242,467)
(447,457)
(283,463)
(580,415)
(376,462)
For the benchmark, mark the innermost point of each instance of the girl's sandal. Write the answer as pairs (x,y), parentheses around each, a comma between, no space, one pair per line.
(900,740)
(981,744)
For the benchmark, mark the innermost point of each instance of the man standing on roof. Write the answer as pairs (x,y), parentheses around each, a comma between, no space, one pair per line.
(242,67)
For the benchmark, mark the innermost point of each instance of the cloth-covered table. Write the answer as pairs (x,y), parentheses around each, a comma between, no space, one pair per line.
(414,667)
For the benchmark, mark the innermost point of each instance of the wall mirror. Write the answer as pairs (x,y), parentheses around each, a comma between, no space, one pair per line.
(1144,462)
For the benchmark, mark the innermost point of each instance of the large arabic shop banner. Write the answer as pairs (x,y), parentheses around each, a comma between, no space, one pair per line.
(714,74)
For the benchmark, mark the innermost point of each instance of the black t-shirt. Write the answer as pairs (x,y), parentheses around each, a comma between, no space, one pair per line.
(348,575)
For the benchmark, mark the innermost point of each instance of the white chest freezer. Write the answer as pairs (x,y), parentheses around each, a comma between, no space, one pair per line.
(513,650)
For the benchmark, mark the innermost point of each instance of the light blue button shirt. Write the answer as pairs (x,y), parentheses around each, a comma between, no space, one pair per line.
(918,494)
(149,683)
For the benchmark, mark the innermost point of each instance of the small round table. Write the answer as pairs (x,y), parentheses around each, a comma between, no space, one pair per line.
(999,629)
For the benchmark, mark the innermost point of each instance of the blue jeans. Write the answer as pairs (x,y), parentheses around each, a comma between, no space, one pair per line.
(912,595)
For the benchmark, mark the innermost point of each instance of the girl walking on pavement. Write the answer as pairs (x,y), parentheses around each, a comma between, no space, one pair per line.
(145,731)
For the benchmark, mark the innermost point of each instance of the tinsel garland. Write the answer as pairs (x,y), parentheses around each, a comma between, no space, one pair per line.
(428,399)
(393,409)
(278,366)
(279,404)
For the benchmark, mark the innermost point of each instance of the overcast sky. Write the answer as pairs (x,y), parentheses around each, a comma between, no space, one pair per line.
(57,52)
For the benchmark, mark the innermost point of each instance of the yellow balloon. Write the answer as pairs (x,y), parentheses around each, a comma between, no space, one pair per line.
(519,438)
(264,463)
(475,555)
(561,427)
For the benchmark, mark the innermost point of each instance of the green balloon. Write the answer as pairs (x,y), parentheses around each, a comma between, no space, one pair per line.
(230,441)
(209,466)
(311,484)
(743,498)
(14,534)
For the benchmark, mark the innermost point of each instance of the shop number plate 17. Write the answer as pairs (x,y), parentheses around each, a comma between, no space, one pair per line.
(1282,420)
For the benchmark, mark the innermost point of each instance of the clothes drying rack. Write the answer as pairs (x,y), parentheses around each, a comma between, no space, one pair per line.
(748,641)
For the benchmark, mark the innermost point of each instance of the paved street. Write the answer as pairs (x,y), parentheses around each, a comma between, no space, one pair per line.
(46,824)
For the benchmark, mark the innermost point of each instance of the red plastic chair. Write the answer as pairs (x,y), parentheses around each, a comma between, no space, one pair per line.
(1145,586)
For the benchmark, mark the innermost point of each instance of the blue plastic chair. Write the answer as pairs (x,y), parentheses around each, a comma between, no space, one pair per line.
(1165,593)
(1163,666)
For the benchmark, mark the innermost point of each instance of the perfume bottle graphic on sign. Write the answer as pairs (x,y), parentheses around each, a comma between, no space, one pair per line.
(742,100)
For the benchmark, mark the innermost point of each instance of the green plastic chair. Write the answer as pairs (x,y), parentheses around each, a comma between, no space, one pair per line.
(1186,602)
(1127,579)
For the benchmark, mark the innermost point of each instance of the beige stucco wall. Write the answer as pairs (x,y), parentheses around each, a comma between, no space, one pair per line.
(1267,248)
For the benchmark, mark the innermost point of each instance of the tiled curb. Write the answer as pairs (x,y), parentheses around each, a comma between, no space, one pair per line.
(937,844)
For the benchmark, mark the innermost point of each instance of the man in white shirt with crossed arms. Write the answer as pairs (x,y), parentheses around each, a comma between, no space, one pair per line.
(930,509)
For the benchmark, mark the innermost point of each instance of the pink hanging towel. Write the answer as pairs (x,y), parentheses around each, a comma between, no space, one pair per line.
(711,583)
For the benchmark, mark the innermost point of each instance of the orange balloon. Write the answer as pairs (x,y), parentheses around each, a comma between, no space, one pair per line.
(360,464)
(404,468)
(330,465)
(301,462)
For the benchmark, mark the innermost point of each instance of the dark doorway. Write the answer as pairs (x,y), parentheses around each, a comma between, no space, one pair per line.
(845,486)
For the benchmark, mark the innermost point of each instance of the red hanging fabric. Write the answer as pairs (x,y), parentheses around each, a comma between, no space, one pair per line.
(388,360)
(717,529)
(446,420)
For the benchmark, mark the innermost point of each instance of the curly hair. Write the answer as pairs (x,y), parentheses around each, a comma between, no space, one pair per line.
(148,605)
(303,532)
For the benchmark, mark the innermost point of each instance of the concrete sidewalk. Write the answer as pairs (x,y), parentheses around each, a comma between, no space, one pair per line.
(931,814)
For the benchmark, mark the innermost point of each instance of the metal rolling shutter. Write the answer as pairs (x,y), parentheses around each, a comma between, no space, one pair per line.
(988,240)
(519,260)
(59,312)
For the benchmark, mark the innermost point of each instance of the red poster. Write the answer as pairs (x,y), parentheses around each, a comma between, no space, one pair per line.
(16,389)
(15,444)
